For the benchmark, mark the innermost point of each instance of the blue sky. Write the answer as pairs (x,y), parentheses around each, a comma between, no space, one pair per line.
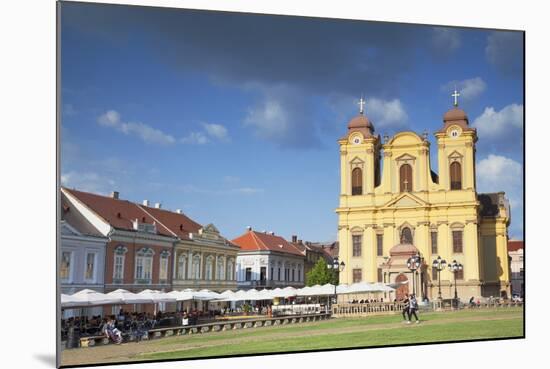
(234,117)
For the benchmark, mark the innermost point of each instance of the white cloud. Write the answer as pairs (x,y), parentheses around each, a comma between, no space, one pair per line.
(494,125)
(269,118)
(216,131)
(445,41)
(88,181)
(469,88)
(497,173)
(197,138)
(147,133)
(386,113)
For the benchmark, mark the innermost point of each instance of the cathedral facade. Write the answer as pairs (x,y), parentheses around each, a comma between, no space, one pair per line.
(394,208)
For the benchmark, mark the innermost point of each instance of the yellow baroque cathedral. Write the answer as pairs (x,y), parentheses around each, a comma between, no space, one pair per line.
(394,207)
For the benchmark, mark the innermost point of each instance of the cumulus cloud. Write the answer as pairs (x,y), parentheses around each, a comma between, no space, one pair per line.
(283,116)
(501,126)
(386,114)
(197,138)
(505,51)
(88,181)
(469,88)
(112,119)
(217,131)
(497,173)
(445,41)
(211,132)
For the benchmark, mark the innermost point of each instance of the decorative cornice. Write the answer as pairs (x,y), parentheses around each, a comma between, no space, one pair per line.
(389,224)
(340,227)
(442,222)
(421,223)
(471,221)
(387,154)
(371,226)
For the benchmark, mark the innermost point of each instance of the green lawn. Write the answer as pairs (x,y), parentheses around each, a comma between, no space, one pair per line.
(341,333)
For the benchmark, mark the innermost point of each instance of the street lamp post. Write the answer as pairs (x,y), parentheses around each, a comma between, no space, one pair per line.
(337,267)
(439,264)
(455,267)
(413,263)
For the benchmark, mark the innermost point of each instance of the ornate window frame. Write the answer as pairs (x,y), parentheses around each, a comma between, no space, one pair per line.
(119,251)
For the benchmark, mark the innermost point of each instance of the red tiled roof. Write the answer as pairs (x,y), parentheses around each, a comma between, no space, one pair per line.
(118,213)
(252,241)
(515,245)
(180,224)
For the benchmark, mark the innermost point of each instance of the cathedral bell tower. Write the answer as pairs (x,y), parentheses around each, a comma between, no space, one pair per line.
(456,150)
(359,158)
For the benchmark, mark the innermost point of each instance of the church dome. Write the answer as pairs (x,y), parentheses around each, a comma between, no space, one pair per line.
(360,121)
(361,124)
(455,114)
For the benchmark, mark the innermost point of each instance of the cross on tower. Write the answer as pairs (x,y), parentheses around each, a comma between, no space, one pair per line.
(455,95)
(361,104)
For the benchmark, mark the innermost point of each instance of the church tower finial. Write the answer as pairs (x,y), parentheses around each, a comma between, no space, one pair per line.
(455,94)
(361,104)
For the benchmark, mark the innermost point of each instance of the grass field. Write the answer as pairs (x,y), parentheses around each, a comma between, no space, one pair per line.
(335,333)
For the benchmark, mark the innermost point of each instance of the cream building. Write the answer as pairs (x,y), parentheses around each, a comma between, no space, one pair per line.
(393,206)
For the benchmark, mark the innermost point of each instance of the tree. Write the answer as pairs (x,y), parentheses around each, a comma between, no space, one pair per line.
(320,274)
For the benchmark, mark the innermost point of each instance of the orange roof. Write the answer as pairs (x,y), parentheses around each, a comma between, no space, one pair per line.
(252,241)
(180,224)
(121,213)
(515,245)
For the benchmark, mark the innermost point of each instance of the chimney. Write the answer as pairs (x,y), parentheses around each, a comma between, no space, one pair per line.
(294,238)
(249,228)
(158,205)
(272,233)
(145,202)
(178,211)
(300,242)
(114,194)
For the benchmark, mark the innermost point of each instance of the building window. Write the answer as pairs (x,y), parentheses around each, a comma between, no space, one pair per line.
(299,273)
(434,273)
(459,275)
(433,238)
(208,268)
(163,270)
(220,269)
(263,271)
(65,270)
(196,267)
(357,275)
(379,275)
(457,241)
(182,266)
(271,273)
(357,241)
(89,274)
(357,181)
(379,244)
(405,178)
(279,274)
(144,264)
(406,235)
(456,176)
(230,271)
(118,269)
(293,275)
(248,274)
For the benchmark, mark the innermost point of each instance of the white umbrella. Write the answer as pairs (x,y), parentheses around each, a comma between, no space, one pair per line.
(181,295)
(206,295)
(157,296)
(88,297)
(127,297)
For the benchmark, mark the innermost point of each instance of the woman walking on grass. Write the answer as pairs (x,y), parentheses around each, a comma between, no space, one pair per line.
(413,307)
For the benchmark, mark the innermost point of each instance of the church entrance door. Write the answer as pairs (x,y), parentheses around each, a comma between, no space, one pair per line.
(403,289)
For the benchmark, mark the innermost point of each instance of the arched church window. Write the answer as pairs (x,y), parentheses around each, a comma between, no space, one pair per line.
(357,181)
(406,235)
(456,176)
(405,178)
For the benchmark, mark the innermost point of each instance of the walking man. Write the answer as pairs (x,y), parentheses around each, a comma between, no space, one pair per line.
(413,307)
(406,303)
